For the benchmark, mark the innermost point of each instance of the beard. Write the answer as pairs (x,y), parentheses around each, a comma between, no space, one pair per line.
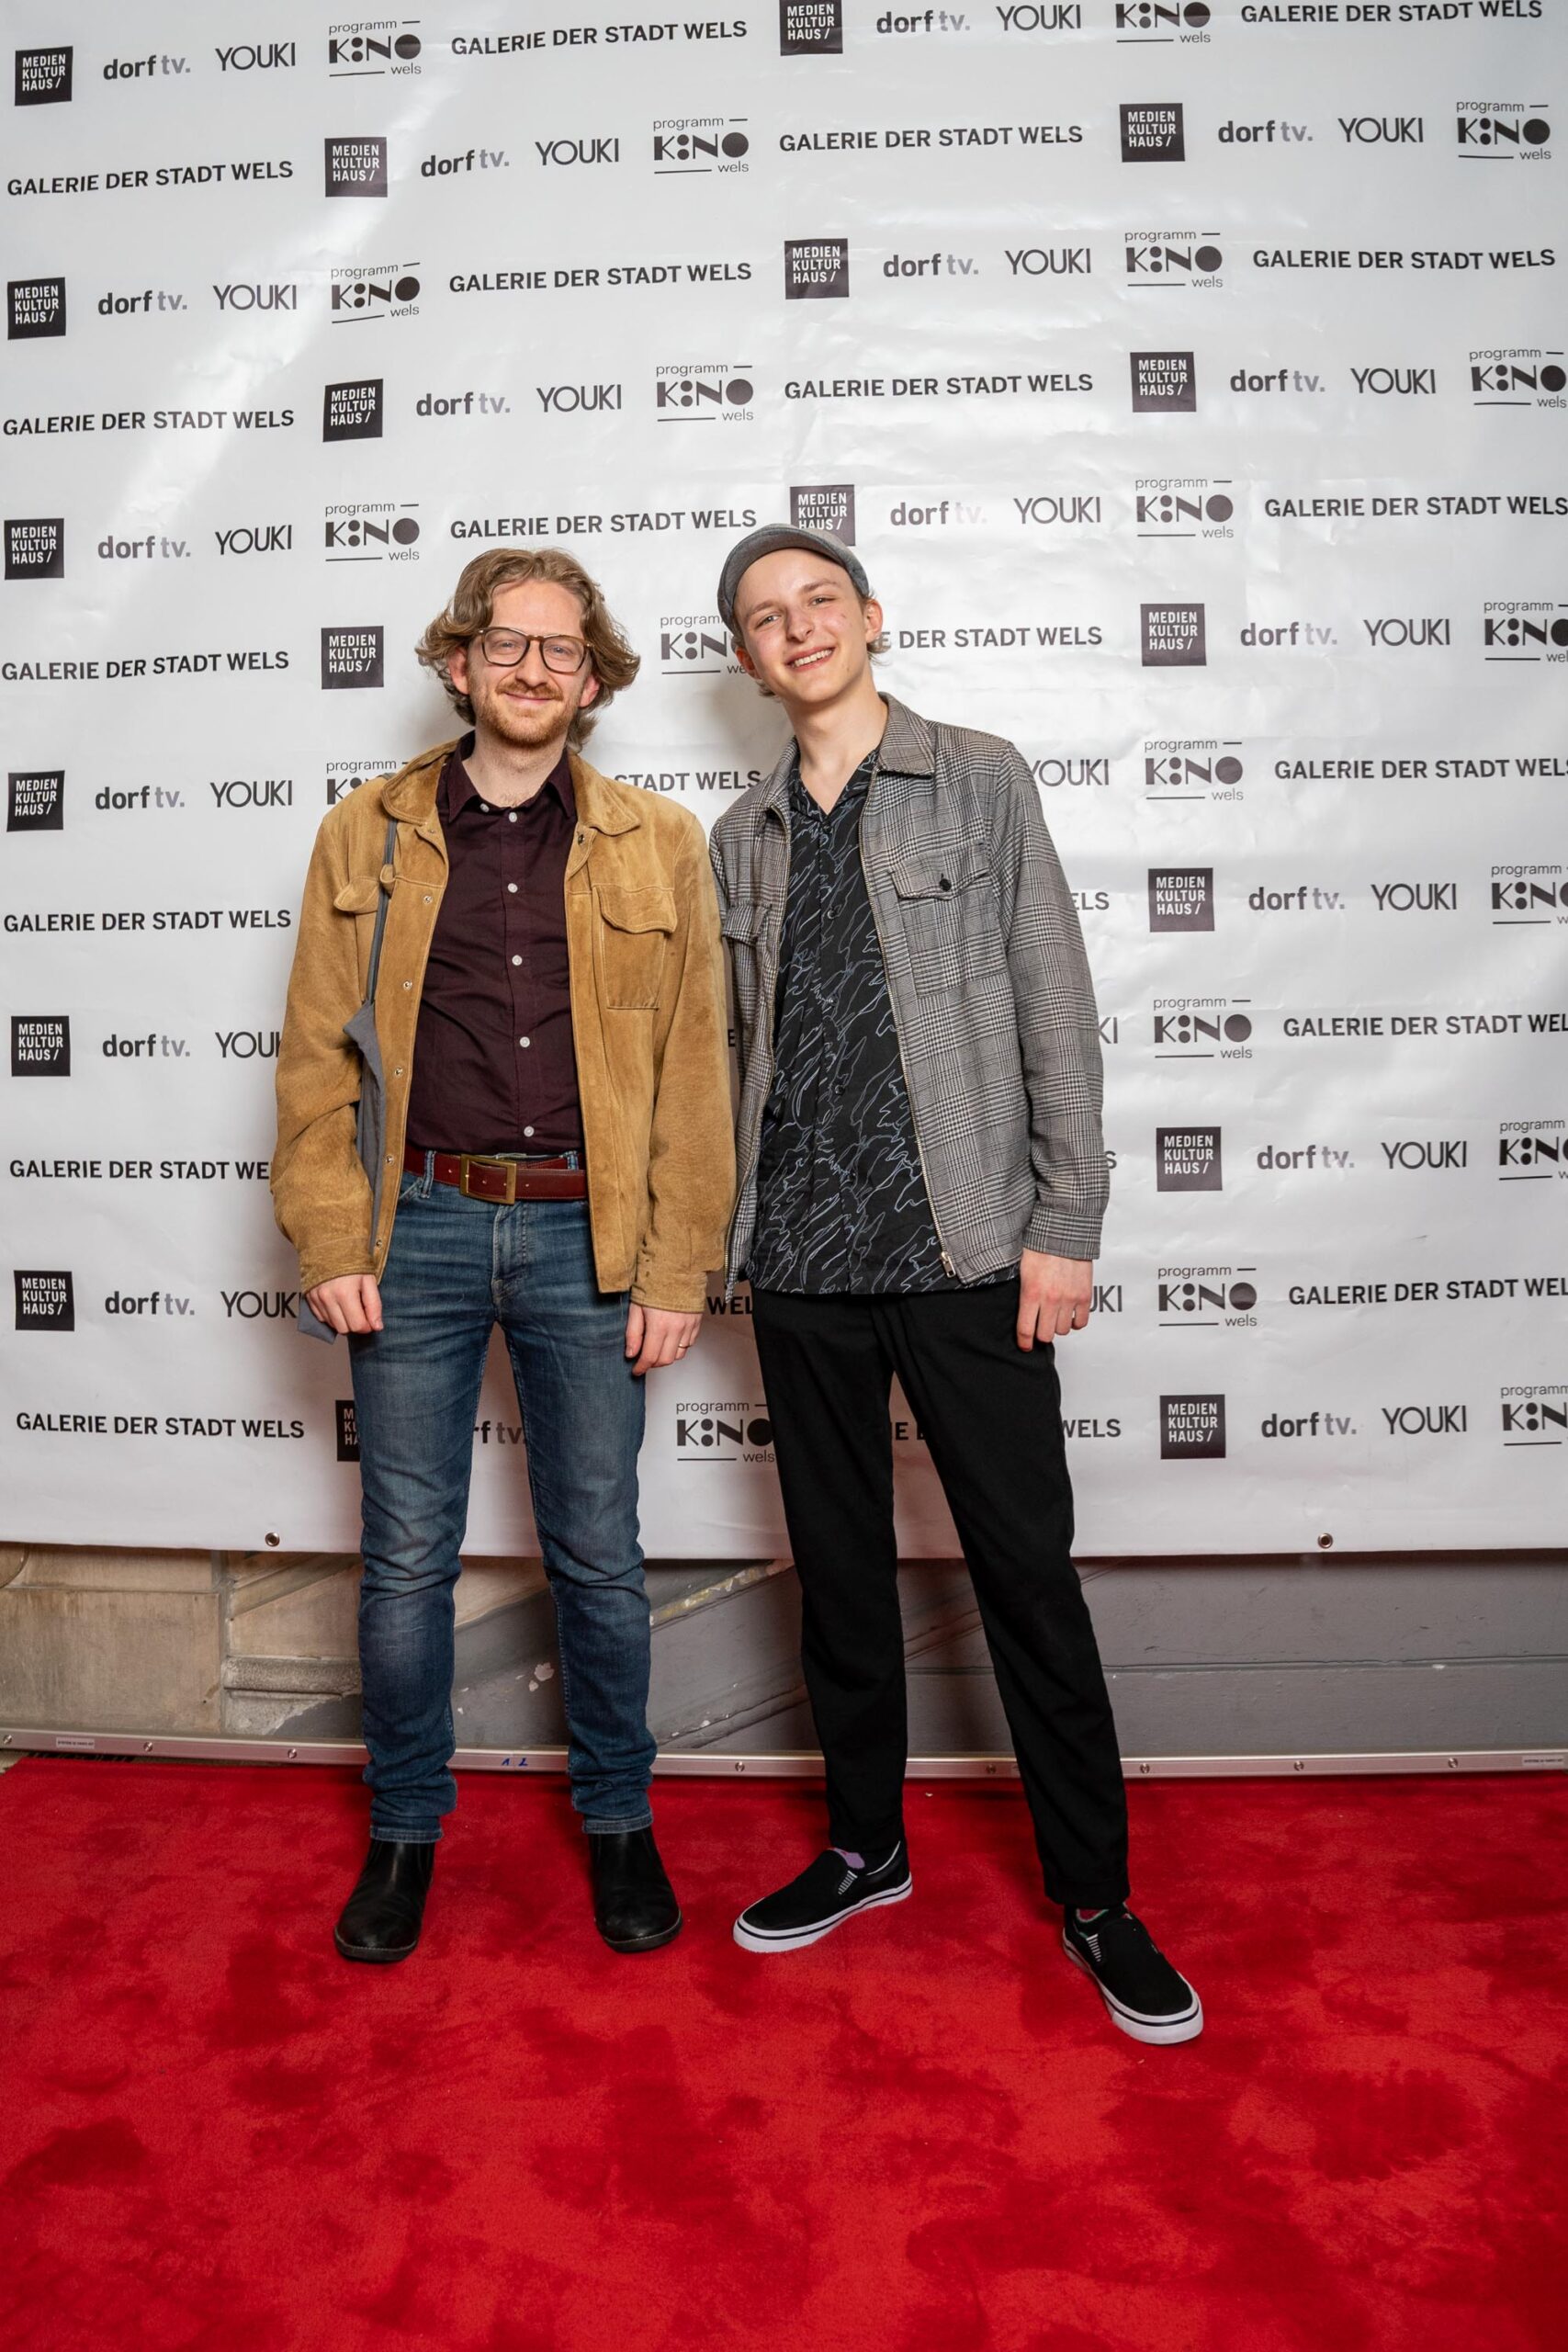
(525,723)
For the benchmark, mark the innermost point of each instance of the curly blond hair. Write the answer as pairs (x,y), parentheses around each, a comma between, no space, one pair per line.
(469,611)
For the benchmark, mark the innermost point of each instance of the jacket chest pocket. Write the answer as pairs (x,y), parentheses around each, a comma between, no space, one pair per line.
(357,902)
(949,914)
(634,934)
(742,924)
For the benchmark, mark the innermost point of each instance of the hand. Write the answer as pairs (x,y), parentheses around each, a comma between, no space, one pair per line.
(656,1335)
(1055,1296)
(349,1302)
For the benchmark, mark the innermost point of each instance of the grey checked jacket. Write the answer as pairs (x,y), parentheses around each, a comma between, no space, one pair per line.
(990,990)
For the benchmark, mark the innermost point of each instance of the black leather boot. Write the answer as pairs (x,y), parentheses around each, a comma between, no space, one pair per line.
(381,1918)
(634,1903)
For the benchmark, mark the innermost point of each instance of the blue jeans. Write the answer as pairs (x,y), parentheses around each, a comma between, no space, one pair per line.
(457,1267)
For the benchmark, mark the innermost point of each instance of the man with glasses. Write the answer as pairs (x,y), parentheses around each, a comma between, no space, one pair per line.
(540,945)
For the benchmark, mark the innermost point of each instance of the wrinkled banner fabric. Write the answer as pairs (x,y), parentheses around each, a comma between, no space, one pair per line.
(1186,378)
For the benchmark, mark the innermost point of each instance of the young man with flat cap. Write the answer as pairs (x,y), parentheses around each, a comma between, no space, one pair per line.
(921,1181)
(548,1021)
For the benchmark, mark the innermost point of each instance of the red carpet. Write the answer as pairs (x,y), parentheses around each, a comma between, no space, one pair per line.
(921,2136)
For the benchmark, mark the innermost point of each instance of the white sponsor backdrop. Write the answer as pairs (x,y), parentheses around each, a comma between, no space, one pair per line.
(1132,332)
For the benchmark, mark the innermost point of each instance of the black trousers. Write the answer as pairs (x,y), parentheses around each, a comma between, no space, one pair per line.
(990,1413)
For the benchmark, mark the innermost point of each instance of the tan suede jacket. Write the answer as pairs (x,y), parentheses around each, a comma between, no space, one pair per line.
(648,1023)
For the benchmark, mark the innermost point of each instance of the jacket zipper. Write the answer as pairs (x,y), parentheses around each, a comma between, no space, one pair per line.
(948,1265)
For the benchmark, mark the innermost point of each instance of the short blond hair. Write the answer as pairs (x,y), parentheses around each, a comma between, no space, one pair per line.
(472,603)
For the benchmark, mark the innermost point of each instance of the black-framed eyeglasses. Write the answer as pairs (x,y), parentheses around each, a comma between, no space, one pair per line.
(505,648)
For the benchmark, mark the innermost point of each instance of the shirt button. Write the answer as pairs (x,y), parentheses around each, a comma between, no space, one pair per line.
(512,815)
(513,887)
(528,1131)
(408,984)
(517,959)
(524,1041)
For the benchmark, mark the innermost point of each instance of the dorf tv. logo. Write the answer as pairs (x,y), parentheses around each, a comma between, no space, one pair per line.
(45,1301)
(1187,1160)
(43,77)
(40,1044)
(1165,383)
(816,269)
(1182,898)
(35,548)
(811,28)
(353,411)
(35,307)
(356,166)
(824,506)
(1191,1428)
(1172,636)
(352,657)
(35,801)
(1153,134)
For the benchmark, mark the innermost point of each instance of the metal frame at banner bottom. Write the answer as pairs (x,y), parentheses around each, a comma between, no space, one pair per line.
(23,1740)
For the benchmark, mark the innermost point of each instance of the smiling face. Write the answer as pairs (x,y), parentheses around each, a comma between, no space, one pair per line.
(803,631)
(528,707)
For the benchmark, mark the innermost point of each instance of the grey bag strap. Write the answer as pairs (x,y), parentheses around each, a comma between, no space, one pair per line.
(388,858)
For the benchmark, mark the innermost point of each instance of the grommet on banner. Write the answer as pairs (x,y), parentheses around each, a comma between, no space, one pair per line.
(1325,1543)
(273,1541)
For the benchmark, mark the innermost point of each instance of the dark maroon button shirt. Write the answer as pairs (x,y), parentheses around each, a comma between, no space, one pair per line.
(494,1067)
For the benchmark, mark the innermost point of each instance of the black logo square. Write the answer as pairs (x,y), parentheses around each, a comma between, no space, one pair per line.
(1153,134)
(1165,383)
(347,1430)
(35,548)
(352,657)
(1187,1160)
(45,1302)
(353,411)
(816,269)
(1191,1428)
(35,801)
(40,1044)
(1182,898)
(824,506)
(357,166)
(1172,636)
(35,307)
(43,77)
(811,28)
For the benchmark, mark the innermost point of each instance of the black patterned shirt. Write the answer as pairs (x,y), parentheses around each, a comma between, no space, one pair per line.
(841,1200)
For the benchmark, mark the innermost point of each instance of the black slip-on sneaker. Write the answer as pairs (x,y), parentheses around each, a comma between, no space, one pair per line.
(1145,1996)
(826,1894)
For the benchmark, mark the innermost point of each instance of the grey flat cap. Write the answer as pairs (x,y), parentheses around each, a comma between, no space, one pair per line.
(770,540)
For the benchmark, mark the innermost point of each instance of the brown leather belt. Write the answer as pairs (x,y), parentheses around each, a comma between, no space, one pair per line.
(502,1179)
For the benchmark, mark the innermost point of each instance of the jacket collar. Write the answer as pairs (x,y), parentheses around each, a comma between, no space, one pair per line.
(907,748)
(602,806)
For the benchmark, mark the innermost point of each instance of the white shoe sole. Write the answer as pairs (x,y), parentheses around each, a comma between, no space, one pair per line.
(1185,2028)
(796,1938)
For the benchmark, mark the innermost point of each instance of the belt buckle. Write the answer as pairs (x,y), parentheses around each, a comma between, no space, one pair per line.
(507,1167)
